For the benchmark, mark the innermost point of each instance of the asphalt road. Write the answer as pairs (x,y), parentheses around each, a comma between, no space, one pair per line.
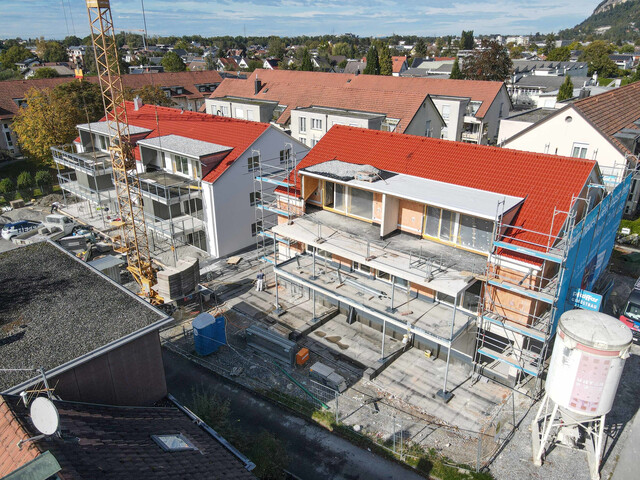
(315,454)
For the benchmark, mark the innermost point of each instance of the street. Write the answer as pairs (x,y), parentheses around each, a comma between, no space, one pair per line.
(315,454)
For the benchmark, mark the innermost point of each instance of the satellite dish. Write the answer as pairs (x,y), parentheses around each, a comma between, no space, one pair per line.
(44,416)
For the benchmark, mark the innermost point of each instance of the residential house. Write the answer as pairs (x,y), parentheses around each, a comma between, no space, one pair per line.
(95,340)
(62,69)
(76,54)
(463,265)
(192,169)
(534,90)
(115,442)
(399,65)
(471,109)
(605,128)
(197,64)
(623,61)
(436,67)
(187,90)
(270,63)
(355,67)
(321,64)
(24,65)
(139,69)
(227,64)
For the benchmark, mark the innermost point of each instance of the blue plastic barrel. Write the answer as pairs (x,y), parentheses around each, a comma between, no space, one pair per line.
(204,334)
(219,332)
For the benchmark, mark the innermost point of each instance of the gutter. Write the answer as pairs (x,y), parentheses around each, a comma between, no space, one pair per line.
(248,464)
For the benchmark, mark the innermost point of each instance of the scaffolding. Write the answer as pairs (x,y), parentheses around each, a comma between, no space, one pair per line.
(274,187)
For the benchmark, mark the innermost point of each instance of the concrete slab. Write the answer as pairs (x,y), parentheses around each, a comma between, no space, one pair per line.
(415,379)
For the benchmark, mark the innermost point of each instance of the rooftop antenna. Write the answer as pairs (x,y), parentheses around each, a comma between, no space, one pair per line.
(44,416)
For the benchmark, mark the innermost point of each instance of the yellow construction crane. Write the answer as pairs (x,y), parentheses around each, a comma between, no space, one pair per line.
(133,239)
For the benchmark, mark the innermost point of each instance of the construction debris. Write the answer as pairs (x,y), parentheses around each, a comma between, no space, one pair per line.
(179,281)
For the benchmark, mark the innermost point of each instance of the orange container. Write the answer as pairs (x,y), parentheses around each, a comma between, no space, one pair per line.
(302,356)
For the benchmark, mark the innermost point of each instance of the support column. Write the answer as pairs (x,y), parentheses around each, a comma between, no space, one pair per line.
(384,332)
(391,309)
(278,311)
(444,394)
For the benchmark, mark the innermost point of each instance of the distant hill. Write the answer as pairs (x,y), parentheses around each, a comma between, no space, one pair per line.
(611,20)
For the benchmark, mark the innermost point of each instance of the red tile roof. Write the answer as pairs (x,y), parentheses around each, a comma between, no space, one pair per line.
(230,132)
(546,181)
(612,111)
(398,97)
(105,442)
(398,62)
(17,89)
(11,432)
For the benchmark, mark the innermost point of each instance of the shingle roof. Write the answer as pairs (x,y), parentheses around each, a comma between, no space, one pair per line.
(230,132)
(17,89)
(612,111)
(545,181)
(105,442)
(55,309)
(398,97)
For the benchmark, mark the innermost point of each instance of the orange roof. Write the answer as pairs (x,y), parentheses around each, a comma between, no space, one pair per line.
(545,181)
(230,132)
(11,432)
(397,97)
(397,63)
(612,111)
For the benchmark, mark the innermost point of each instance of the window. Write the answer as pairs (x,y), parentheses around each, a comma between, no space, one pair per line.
(303,140)
(102,142)
(256,228)
(328,194)
(361,203)
(249,114)
(239,113)
(9,142)
(444,298)
(427,131)
(303,124)
(362,268)
(339,194)
(175,442)
(446,111)
(285,155)
(471,297)
(579,150)
(440,223)
(182,164)
(383,275)
(316,123)
(224,110)
(475,232)
(313,142)
(253,162)
(254,197)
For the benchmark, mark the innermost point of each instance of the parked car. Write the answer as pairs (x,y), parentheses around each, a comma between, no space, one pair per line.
(10,230)
(631,311)
(55,221)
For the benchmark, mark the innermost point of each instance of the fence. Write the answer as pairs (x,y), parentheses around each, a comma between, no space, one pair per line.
(401,433)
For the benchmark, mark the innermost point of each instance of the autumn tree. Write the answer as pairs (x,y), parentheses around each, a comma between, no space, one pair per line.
(85,97)
(373,63)
(490,62)
(456,74)
(173,63)
(48,119)
(566,89)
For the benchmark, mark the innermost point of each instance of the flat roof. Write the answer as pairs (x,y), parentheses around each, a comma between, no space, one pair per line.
(532,116)
(471,201)
(341,112)
(56,312)
(245,100)
(103,128)
(184,146)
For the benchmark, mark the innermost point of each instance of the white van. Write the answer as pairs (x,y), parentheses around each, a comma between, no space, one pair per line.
(57,222)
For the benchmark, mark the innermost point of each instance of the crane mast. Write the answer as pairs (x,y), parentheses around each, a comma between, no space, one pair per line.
(133,237)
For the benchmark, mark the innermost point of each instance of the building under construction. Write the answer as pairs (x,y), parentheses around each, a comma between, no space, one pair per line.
(468,252)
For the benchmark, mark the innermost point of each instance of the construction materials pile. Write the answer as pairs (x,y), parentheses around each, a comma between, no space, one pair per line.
(179,281)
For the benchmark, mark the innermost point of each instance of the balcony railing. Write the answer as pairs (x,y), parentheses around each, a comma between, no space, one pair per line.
(92,163)
(169,194)
(103,196)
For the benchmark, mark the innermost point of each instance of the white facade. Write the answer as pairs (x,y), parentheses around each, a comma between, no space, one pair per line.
(569,134)
(308,125)
(228,212)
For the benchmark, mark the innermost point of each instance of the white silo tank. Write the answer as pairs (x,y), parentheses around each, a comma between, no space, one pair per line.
(587,361)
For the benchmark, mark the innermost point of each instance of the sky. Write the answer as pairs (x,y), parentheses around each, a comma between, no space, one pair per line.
(59,18)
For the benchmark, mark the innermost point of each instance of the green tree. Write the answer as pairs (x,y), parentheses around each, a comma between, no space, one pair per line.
(456,74)
(343,64)
(420,48)
(25,185)
(627,48)
(384,57)
(173,63)
(253,64)
(276,47)
(566,89)
(13,55)
(516,51)
(560,54)
(85,97)
(210,62)
(491,62)
(45,72)
(373,62)
(8,74)
(7,189)
(466,40)
(71,41)
(269,455)
(54,52)
(43,181)
(46,121)
(306,64)
(549,44)
(596,54)
(150,95)
(343,48)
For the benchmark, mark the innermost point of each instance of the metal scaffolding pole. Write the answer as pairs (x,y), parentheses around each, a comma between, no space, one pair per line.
(384,332)
(444,394)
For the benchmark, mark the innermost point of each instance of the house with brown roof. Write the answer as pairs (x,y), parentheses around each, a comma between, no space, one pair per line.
(108,442)
(196,173)
(457,248)
(465,110)
(187,90)
(400,65)
(604,127)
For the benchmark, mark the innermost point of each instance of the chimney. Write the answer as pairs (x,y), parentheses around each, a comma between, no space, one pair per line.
(258,85)
(137,103)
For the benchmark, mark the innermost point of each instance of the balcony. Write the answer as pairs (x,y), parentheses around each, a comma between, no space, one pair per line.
(176,227)
(98,197)
(167,188)
(91,163)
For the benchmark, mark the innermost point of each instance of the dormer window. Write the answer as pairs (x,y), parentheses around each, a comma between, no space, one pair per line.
(174,442)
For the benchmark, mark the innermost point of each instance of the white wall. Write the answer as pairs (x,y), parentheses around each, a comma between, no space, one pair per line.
(226,203)
(328,120)
(456,115)
(493,115)
(508,128)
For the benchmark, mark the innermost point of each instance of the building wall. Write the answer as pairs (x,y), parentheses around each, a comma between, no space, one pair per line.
(246,111)
(227,209)
(418,124)
(500,108)
(311,136)
(456,109)
(508,128)
(132,374)
(8,138)
(410,216)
